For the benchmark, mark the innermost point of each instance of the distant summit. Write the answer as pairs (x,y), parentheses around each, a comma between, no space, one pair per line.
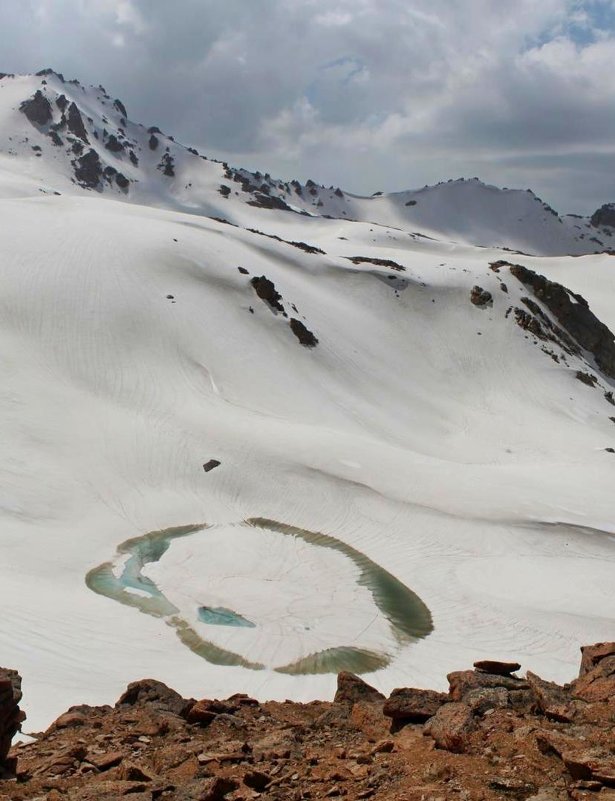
(84,140)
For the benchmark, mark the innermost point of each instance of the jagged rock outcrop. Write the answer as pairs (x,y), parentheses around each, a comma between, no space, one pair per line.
(11,717)
(37,109)
(74,123)
(88,170)
(574,315)
(604,217)
(552,700)
(117,104)
(114,145)
(598,682)
(592,655)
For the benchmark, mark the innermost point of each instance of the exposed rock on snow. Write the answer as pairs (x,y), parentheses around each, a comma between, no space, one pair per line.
(114,145)
(74,123)
(604,217)
(37,109)
(481,297)
(586,378)
(266,291)
(378,262)
(88,170)
(574,315)
(303,334)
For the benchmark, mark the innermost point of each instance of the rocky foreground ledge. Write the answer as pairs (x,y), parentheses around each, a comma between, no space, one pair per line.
(494,735)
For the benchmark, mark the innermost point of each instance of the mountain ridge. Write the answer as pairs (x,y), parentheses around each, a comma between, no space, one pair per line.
(87,141)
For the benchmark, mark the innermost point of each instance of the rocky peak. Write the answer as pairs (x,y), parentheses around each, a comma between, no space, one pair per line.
(604,217)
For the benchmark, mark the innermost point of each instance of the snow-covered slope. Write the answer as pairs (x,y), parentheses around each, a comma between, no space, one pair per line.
(67,136)
(396,478)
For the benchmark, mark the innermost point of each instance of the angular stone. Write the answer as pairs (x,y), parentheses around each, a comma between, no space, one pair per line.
(598,684)
(497,668)
(257,780)
(69,720)
(131,772)
(552,700)
(591,655)
(462,681)
(351,688)
(413,706)
(451,727)
(207,790)
(591,764)
(482,699)
(552,742)
(205,712)
(105,761)
(154,693)
(368,718)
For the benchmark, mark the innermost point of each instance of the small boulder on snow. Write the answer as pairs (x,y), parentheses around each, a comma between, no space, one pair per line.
(481,297)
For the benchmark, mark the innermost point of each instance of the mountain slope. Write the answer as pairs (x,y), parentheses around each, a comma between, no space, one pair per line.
(240,456)
(71,136)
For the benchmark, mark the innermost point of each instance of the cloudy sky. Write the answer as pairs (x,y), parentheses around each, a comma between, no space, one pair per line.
(366,94)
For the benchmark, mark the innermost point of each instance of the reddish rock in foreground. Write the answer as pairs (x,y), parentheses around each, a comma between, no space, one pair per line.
(11,717)
(413,706)
(451,727)
(591,655)
(492,737)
